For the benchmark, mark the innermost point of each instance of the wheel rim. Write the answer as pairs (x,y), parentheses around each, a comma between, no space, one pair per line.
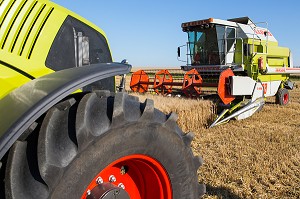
(139,175)
(285,98)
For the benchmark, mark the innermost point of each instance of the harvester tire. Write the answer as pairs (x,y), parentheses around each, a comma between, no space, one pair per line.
(282,96)
(97,139)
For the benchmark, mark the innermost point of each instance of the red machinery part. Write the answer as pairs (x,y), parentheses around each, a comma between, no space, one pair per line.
(286,98)
(224,86)
(261,63)
(163,82)
(141,176)
(192,83)
(282,96)
(139,81)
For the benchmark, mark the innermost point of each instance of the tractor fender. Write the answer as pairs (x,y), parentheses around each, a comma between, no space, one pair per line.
(24,105)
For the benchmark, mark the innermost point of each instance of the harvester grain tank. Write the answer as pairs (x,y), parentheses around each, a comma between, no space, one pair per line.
(240,60)
(64,131)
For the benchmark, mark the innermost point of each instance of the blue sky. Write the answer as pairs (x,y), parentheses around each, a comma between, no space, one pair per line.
(147,33)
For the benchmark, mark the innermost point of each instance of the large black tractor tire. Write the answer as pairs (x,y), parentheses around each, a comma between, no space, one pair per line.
(87,137)
(282,96)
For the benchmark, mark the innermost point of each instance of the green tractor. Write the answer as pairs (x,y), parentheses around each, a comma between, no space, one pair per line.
(64,130)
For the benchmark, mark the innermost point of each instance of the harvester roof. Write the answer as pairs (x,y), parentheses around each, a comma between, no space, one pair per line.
(205,22)
(244,25)
(242,20)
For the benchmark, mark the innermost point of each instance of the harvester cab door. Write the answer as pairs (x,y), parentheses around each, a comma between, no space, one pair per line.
(230,42)
(196,47)
(226,37)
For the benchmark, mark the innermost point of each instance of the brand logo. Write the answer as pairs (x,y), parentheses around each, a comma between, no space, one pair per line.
(263,32)
(280,70)
(264,87)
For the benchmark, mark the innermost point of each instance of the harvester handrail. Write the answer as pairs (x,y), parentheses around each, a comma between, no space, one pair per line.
(267,36)
(257,53)
(242,51)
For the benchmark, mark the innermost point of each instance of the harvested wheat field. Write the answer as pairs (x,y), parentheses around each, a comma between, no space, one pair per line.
(258,157)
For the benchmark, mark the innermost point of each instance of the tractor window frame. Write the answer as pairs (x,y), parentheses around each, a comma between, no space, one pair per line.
(62,54)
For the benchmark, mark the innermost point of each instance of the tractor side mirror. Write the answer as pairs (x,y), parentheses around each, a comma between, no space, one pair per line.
(178,52)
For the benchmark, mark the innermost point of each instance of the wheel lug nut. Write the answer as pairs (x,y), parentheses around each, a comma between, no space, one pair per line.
(121,185)
(99,180)
(88,192)
(112,178)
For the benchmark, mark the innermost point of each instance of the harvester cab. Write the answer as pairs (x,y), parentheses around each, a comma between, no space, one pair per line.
(235,58)
(238,44)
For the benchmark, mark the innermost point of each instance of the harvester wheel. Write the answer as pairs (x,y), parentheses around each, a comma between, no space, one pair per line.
(282,96)
(103,146)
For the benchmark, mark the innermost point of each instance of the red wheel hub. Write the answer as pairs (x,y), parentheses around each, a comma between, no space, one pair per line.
(141,176)
(285,98)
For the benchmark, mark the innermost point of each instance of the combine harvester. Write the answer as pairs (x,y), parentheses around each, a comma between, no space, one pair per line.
(237,59)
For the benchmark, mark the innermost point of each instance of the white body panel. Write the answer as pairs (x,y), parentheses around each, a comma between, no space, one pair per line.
(229,59)
(271,88)
(224,22)
(248,30)
(258,91)
(241,85)
(282,70)
(291,60)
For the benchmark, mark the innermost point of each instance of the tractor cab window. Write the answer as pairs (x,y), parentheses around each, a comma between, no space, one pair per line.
(209,44)
(77,44)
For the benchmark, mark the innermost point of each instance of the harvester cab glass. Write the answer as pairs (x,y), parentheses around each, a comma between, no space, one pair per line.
(211,44)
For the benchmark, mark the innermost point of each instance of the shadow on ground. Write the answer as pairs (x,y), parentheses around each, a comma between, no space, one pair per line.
(221,192)
(270,103)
